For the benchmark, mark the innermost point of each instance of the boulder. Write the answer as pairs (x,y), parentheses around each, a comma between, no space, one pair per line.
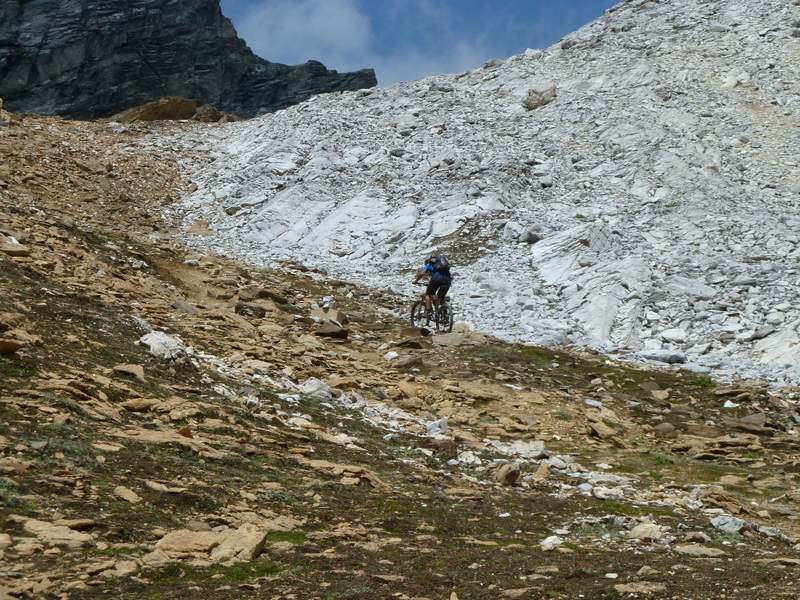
(646,532)
(8,346)
(507,474)
(540,94)
(250,310)
(246,543)
(162,345)
(184,542)
(135,371)
(17,250)
(698,551)
(331,330)
(58,535)
(170,108)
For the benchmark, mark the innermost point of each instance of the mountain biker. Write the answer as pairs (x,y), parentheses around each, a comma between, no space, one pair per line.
(438,269)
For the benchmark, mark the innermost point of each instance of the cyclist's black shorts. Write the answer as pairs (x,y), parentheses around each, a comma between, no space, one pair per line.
(439,284)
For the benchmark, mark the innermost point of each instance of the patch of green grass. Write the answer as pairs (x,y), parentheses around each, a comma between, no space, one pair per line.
(118,551)
(293,537)
(8,495)
(733,538)
(563,415)
(619,508)
(177,573)
(703,381)
(663,458)
(289,308)
(361,591)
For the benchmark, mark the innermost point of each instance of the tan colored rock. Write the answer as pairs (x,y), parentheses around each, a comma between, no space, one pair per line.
(141,404)
(331,330)
(200,227)
(57,535)
(641,587)
(160,487)
(601,430)
(8,346)
(127,494)
(11,464)
(507,474)
(245,544)
(123,568)
(515,593)
(542,472)
(646,532)
(16,250)
(107,447)
(168,108)
(76,524)
(183,542)
(698,551)
(665,430)
(330,314)
(171,437)
(135,371)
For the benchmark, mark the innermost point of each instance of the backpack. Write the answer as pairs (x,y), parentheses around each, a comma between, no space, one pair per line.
(441,265)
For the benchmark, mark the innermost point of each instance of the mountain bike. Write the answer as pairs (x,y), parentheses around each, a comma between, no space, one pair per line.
(441,314)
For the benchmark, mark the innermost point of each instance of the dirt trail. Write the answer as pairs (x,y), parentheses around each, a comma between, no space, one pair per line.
(280,454)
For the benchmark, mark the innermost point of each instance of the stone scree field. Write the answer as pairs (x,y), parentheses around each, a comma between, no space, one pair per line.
(633,189)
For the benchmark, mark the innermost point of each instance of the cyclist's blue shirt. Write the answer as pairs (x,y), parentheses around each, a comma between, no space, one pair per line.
(435,275)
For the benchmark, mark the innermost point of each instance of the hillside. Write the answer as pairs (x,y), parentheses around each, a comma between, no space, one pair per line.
(88,59)
(175,424)
(633,189)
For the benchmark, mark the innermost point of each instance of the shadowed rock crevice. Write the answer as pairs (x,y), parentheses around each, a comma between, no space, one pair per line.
(94,58)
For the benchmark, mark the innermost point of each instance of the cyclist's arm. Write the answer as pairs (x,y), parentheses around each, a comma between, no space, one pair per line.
(423,272)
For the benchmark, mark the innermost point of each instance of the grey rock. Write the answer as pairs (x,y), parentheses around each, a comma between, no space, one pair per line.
(94,58)
(666,356)
(728,524)
(540,94)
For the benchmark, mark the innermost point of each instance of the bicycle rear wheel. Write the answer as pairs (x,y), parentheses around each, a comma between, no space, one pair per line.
(444,322)
(418,314)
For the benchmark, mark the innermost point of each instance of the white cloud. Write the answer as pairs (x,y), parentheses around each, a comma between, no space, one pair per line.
(414,63)
(293,31)
(340,35)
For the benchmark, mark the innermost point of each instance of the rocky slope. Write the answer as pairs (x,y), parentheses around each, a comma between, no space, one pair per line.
(93,59)
(632,189)
(177,424)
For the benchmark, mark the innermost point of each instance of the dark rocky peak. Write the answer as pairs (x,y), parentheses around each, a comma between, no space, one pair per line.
(94,58)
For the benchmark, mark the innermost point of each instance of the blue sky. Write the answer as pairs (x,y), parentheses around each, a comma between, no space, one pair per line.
(405,39)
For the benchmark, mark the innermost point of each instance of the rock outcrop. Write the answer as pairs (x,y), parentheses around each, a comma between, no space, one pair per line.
(86,59)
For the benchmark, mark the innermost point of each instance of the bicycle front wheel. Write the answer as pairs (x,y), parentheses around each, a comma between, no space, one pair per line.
(418,314)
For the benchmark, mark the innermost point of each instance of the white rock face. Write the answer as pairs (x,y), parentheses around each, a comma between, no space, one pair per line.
(656,190)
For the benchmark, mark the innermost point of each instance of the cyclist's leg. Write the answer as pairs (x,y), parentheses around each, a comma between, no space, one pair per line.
(444,289)
(431,290)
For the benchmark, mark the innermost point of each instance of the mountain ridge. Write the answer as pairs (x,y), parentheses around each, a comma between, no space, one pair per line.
(94,59)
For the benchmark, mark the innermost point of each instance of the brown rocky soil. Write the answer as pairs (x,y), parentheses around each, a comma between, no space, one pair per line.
(252,457)
(173,108)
